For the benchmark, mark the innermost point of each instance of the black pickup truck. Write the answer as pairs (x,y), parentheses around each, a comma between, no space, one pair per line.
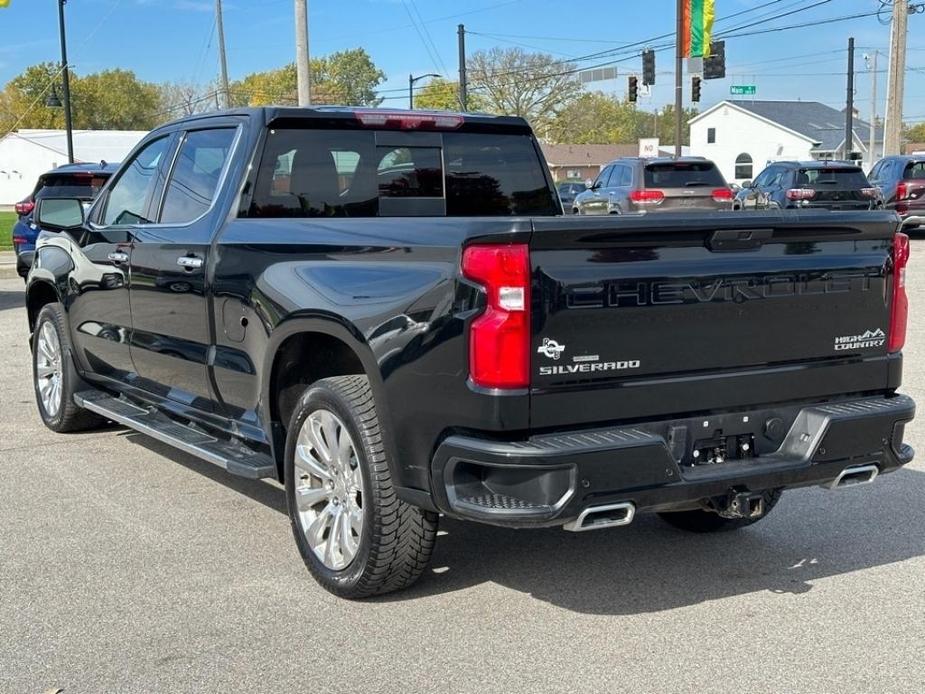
(388,312)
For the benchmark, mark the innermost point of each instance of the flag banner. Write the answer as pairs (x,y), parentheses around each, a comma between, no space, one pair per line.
(697,28)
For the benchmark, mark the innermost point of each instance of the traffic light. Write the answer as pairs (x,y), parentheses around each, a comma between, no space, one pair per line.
(695,89)
(648,66)
(714,66)
(634,88)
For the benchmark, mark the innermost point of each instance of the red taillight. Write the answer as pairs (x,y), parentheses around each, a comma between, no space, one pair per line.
(23,208)
(19,239)
(899,310)
(801,194)
(902,191)
(499,339)
(409,121)
(647,196)
(722,195)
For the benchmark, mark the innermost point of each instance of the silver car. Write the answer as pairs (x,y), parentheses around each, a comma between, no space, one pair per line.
(635,185)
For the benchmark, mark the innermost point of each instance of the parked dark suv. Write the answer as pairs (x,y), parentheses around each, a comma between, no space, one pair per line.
(901,181)
(831,185)
(81,181)
(633,184)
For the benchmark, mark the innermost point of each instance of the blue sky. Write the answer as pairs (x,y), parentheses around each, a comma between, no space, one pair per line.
(173,40)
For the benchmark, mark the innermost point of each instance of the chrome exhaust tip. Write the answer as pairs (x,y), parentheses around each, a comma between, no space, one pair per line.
(854,476)
(598,517)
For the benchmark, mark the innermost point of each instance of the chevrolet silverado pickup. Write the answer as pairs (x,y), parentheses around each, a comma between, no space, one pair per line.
(389,313)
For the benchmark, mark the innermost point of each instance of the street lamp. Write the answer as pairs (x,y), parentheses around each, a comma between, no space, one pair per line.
(53,101)
(411,80)
(66,86)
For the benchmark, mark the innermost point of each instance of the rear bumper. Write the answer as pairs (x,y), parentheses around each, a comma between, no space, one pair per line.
(552,478)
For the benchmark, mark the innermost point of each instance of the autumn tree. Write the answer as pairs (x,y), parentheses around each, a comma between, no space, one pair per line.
(514,82)
(22,101)
(346,77)
(115,100)
(596,118)
(443,95)
(108,100)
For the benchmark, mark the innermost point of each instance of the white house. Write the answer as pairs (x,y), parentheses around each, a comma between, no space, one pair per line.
(26,154)
(743,137)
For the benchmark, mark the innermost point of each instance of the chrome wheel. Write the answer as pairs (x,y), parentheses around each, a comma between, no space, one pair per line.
(329,492)
(48,371)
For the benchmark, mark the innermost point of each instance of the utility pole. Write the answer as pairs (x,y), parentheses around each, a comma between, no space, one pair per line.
(68,125)
(893,123)
(678,67)
(303,66)
(222,60)
(873,109)
(849,102)
(463,85)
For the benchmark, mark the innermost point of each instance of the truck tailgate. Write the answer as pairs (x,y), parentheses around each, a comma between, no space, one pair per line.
(647,316)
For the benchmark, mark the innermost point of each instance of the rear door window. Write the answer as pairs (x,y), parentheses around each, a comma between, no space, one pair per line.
(915,171)
(682,175)
(195,175)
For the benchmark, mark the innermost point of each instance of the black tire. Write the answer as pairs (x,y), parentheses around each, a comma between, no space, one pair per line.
(700,521)
(68,417)
(397,539)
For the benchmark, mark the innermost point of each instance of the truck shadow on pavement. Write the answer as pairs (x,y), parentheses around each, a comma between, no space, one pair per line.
(649,566)
(15,299)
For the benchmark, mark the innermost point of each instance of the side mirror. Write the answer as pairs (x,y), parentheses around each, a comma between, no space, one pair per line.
(58,214)
(747,183)
(589,183)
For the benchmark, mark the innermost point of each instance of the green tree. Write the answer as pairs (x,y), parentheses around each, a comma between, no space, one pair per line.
(535,86)
(346,77)
(666,122)
(349,77)
(915,133)
(443,95)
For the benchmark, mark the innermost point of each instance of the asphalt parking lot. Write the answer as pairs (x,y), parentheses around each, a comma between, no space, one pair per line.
(126,566)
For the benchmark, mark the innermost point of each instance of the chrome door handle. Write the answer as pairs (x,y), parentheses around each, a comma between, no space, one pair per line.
(189,262)
(118,257)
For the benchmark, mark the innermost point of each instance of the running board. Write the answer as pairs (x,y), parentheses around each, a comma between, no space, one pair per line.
(236,459)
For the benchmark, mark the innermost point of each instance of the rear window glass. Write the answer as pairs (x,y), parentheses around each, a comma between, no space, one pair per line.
(75,191)
(835,177)
(344,173)
(682,175)
(71,186)
(915,171)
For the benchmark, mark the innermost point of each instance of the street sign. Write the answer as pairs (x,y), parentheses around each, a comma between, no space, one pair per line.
(743,89)
(648,147)
(597,75)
